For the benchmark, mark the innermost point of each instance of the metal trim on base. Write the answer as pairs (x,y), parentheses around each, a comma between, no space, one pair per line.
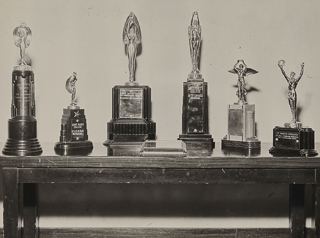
(73,148)
(30,147)
(254,144)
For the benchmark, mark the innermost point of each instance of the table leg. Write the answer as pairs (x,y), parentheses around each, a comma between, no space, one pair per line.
(30,210)
(297,211)
(11,203)
(316,205)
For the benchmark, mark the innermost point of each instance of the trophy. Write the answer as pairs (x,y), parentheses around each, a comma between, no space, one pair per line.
(73,134)
(292,139)
(241,115)
(131,122)
(195,129)
(22,127)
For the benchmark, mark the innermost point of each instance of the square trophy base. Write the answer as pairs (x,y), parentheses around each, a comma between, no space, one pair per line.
(252,143)
(198,142)
(293,142)
(73,134)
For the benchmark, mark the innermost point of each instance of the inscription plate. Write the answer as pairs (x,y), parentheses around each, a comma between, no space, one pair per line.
(195,108)
(235,121)
(287,139)
(23,96)
(130,103)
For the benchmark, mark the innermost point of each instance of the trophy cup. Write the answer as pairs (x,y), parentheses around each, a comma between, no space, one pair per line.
(241,115)
(131,122)
(195,129)
(73,134)
(292,139)
(22,127)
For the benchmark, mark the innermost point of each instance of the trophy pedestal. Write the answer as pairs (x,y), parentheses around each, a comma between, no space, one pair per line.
(131,116)
(241,128)
(22,126)
(22,139)
(293,141)
(195,130)
(73,134)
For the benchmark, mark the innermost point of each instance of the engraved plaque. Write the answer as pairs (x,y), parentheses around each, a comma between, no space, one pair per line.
(78,129)
(131,103)
(235,122)
(287,139)
(195,108)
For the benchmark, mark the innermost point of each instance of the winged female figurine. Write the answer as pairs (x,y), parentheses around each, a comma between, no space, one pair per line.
(194,32)
(22,37)
(292,84)
(131,38)
(71,88)
(242,70)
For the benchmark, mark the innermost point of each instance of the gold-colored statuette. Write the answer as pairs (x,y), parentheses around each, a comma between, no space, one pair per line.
(23,125)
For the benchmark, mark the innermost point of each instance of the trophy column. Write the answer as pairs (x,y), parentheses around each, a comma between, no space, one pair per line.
(22,127)
(195,129)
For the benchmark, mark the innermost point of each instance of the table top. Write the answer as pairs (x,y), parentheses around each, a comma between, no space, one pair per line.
(217,159)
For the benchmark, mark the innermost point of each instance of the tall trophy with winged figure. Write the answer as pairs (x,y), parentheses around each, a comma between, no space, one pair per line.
(73,133)
(293,138)
(241,115)
(131,122)
(195,128)
(22,126)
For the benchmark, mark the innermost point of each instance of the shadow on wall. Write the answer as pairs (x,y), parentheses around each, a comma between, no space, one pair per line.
(164,200)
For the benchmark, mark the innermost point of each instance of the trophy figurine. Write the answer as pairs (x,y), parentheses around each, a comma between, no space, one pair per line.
(241,115)
(131,122)
(195,129)
(22,126)
(73,134)
(293,139)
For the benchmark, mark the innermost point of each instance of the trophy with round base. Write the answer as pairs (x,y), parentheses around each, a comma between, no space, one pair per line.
(195,129)
(293,138)
(241,116)
(131,124)
(73,134)
(22,128)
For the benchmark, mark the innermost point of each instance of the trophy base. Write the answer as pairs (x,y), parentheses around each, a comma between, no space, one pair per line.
(22,147)
(252,143)
(73,148)
(197,142)
(22,139)
(293,142)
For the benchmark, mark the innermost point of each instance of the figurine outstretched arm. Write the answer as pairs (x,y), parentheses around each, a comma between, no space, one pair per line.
(284,73)
(301,72)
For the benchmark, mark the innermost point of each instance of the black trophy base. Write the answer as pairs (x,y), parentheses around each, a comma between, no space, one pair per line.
(293,142)
(198,142)
(22,139)
(73,148)
(29,147)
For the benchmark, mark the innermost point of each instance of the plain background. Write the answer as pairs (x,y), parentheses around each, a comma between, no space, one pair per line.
(86,37)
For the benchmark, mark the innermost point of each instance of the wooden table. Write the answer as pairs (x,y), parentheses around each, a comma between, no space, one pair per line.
(21,176)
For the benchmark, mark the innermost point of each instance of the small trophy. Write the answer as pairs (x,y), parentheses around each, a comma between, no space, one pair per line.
(22,127)
(293,139)
(241,115)
(131,122)
(195,129)
(73,134)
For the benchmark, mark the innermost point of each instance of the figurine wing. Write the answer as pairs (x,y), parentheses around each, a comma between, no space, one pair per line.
(125,32)
(138,30)
(250,71)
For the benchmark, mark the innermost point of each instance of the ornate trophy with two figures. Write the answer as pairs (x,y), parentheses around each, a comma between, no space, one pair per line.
(195,129)
(241,115)
(73,134)
(131,122)
(293,138)
(22,127)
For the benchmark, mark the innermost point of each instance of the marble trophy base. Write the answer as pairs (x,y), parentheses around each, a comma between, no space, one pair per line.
(297,141)
(131,124)
(22,140)
(73,134)
(197,142)
(241,128)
